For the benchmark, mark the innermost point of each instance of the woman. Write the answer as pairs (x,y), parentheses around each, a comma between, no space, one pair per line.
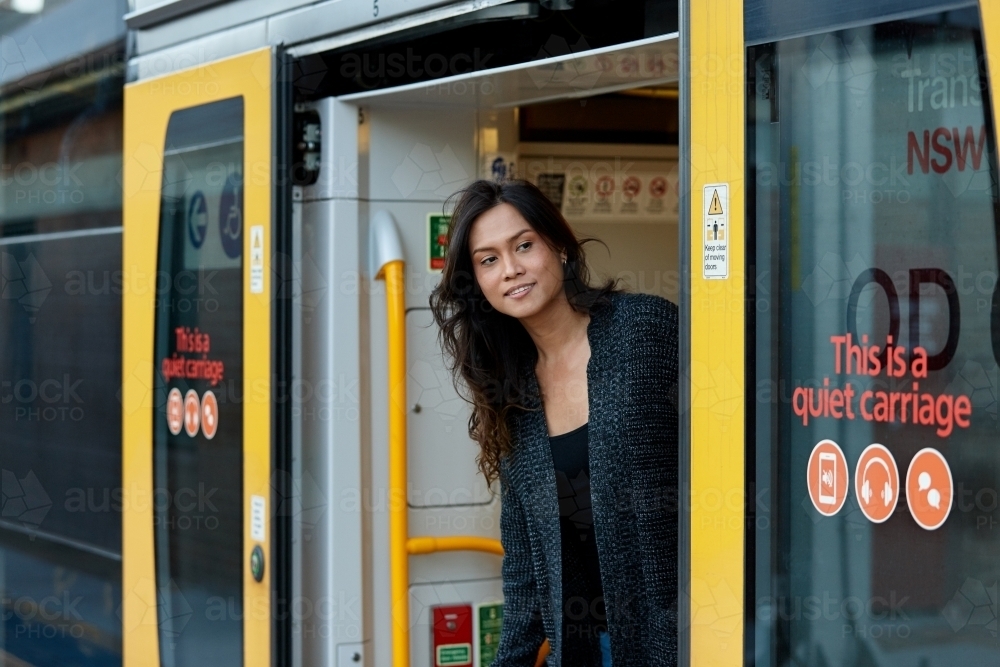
(573,390)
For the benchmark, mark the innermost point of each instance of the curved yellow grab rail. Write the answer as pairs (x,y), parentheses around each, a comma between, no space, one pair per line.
(399,573)
(400,543)
(387,260)
(429,545)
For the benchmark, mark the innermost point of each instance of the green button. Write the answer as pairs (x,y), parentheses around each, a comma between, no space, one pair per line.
(257,563)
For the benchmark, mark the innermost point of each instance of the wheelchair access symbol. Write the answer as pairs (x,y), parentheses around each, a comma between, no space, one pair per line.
(197,219)
(231,216)
(876,482)
(827,477)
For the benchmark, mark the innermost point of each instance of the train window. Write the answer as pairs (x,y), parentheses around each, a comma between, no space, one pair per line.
(62,158)
(60,365)
(198,426)
(875,535)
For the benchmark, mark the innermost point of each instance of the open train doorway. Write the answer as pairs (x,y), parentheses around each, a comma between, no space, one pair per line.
(598,133)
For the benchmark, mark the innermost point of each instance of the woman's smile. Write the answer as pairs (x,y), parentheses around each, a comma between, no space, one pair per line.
(520,290)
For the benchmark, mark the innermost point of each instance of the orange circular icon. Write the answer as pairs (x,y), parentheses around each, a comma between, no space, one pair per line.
(930,489)
(209,415)
(192,412)
(826,476)
(658,187)
(632,186)
(876,483)
(175,411)
(605,186)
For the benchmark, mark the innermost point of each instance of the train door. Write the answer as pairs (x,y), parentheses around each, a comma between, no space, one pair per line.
(197,366)
(417,529)
(843,344)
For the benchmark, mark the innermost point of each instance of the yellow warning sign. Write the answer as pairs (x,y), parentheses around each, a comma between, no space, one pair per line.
(256,259)
(716,246)
(715,208)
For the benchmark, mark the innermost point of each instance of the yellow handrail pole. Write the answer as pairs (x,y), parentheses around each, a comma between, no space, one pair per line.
(387,262)
(429,545)
(395,298)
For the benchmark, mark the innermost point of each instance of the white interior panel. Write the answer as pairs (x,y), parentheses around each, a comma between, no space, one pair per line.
(420,154)
(442,457)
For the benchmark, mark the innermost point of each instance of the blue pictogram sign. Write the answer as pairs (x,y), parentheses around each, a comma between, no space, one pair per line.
(197,219)
(231,215)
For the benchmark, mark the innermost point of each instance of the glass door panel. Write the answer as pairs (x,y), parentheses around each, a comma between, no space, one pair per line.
(873,190)
(198,431)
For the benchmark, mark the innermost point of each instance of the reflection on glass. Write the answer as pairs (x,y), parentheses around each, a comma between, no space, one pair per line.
(62,158)
(60,366)
(198,424)
(875,201)
(58,614)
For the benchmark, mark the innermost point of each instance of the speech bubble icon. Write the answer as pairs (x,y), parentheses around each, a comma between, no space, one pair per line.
(934,498)
(924,481)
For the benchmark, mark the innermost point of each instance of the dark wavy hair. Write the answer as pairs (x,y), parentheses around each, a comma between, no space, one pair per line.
(487,351)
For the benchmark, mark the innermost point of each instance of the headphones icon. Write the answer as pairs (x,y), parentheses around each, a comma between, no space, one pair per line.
(866,489)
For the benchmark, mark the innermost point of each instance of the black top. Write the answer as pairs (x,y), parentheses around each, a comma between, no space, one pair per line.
(583,602)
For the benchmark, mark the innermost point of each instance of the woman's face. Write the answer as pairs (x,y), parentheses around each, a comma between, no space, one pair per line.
(518,273)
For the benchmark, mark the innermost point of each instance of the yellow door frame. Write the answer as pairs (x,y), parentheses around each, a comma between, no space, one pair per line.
(715,109)
(148,107)
(989,17)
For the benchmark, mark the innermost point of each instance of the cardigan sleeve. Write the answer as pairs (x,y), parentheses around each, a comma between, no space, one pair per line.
(522,632)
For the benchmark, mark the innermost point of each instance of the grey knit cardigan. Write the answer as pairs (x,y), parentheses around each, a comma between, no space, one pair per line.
(632,388)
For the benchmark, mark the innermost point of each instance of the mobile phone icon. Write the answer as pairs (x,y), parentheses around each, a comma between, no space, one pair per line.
(827,478)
